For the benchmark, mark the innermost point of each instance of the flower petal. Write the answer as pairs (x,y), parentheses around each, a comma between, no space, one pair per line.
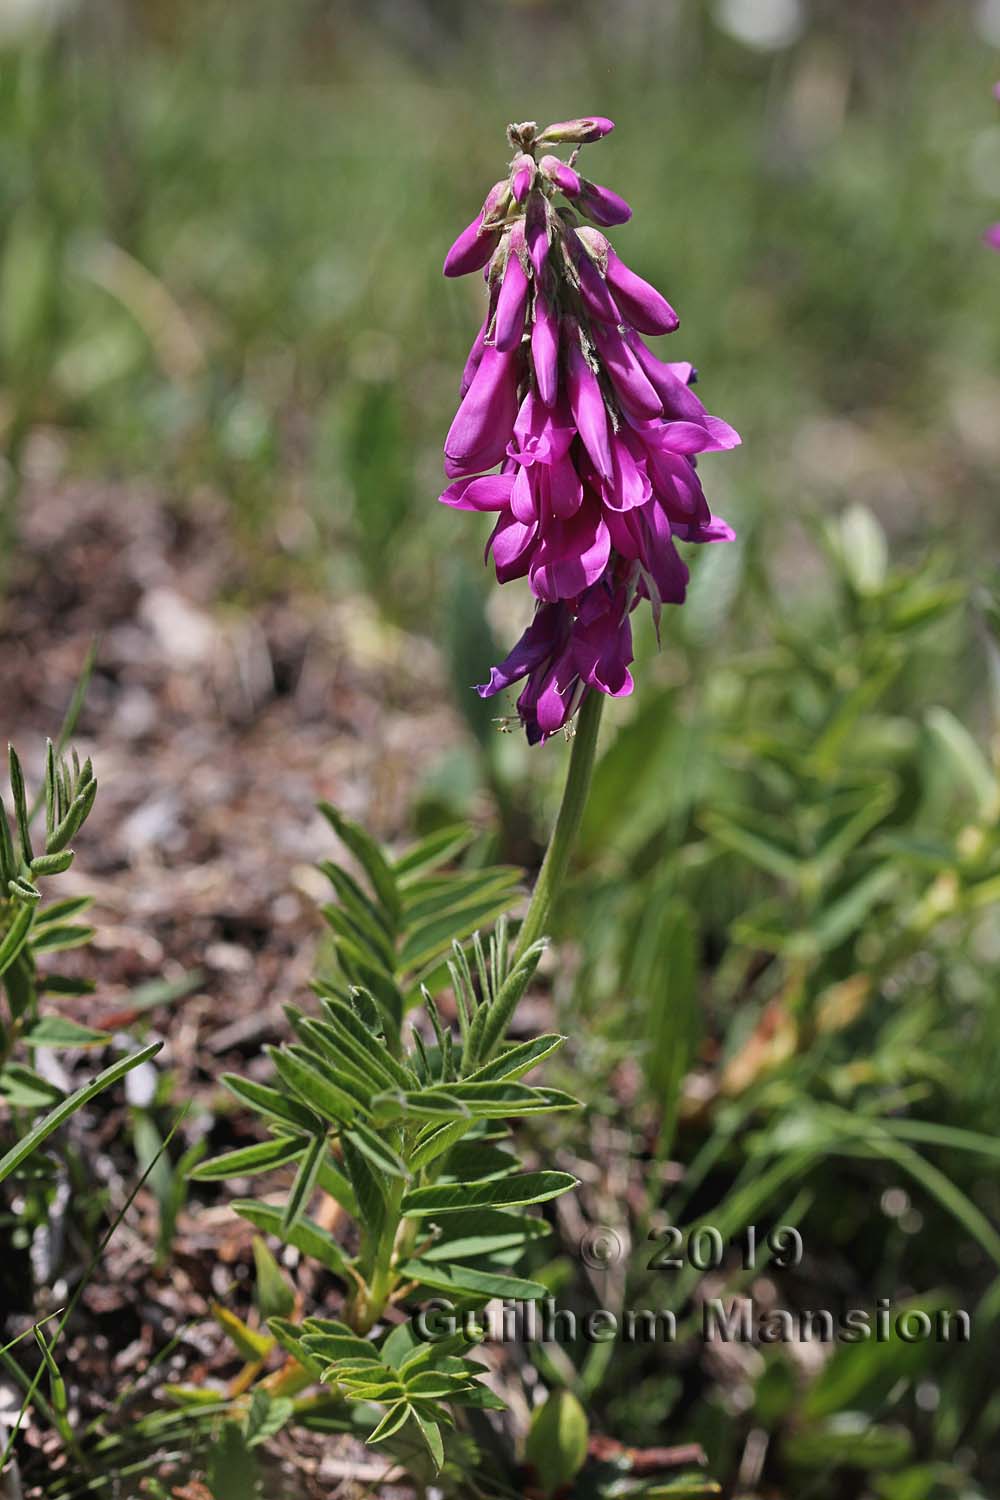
(640,304)
(478,437)
(511,304)
(587,405)
(472,249)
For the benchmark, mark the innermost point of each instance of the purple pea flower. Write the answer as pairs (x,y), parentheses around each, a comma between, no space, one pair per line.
(478,437)
(640,304)
(598,203)
(592,438)
(512,301)
(545,348)
(562,653)
(562,175)
(522,175)
(586,401)
(602,205)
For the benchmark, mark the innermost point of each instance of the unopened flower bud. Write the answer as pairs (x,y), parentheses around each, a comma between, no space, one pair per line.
(513,299)
(587,403)
(545,349)
(601,204)
(536,232)
(471,250)
(578,132)
(497,203)
(562,175)
(640,304)
(478,437)
(593,288)
(522,175)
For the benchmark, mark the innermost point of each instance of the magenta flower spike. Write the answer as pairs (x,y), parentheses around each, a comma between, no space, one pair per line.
(591,438)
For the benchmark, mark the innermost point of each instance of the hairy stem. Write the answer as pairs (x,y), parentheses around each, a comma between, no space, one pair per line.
(574,798)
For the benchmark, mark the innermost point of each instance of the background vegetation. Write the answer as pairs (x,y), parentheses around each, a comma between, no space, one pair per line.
(221,229)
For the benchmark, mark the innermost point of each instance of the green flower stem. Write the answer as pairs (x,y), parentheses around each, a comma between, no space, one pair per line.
(550,876)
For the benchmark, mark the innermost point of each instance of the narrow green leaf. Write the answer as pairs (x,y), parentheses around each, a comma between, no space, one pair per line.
(396,1417)
(16,936)
(24,890)
(332,1341)
(431,1434)
(753,836)
(517,1060)
(62,1112)
(22,1088)
(490,1024)
(51,788)
(379,1152)
(248,1161)
(275,1296)
(336,1184)
(419,1104)
(62,911)
(371,859)
(20,805)
(360,1043)
(425,900)
(505,1099)
(305,1182)
(967,765)
(311,1086)
(464,1281)
(60,1031)
(8,859)
(266,1417)
(432,939)
(58,939)
(435,850)
(305,1234)
(290,1338)
(368,1189)
(271,1103)
(506,1192)
(485,1232)
(76,816)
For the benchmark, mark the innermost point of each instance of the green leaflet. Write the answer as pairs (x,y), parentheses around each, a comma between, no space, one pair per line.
(312,1086)
(464,1281)
(250,1160)
(371,859)
(304,1234)
(505,1192)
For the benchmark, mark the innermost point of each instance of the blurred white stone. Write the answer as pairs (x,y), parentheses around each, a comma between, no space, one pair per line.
(18,18)
(987,21)
(187,635)
(765,25)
